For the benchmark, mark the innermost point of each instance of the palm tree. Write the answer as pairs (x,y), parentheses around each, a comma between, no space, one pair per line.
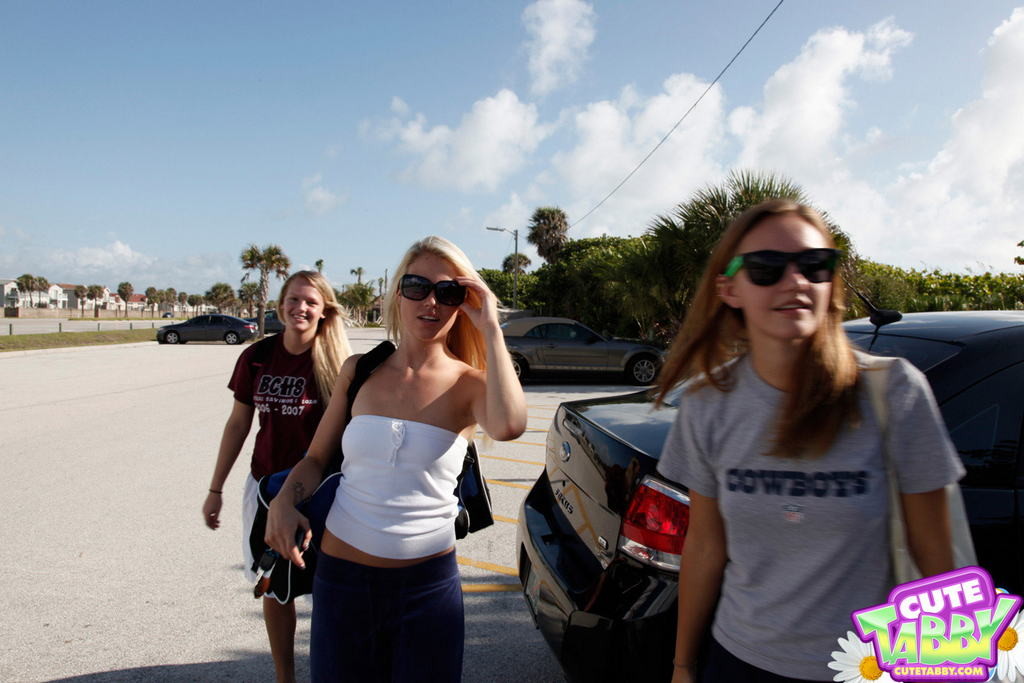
(358,298)
(319,265)
(182,299)
(269,260)
(152,298)
(80,294)
(42,285)
(27,284)
(125,291)
(95,293)
(248,293)
(516,263)
(358,272)
(221,295)
(548,231)
(170,296)
(194,300)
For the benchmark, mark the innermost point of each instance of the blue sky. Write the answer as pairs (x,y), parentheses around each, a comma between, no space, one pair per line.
(151,142)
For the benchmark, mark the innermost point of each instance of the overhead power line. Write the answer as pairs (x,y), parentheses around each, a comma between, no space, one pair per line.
(681,119)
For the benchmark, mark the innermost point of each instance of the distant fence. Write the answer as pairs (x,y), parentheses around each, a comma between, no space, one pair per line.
(90,314)
(38,326)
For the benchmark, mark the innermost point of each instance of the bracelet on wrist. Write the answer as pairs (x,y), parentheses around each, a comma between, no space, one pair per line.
(216,491)
(682,666)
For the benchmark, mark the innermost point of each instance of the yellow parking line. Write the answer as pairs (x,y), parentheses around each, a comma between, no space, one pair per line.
(498,482)
(490,587)
(499,518)
(497,568)
(525,462)
(527,443)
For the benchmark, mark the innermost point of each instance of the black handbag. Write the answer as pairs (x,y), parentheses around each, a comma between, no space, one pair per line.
(287,581)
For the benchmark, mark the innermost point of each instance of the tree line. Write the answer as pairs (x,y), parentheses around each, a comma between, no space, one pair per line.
(642,286)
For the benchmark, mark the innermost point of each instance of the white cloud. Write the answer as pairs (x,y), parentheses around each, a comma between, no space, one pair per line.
(492,141)
(319,200)
(560,33)
(963,208)
(99,259)
(399,107)
(612,138)
(805,101)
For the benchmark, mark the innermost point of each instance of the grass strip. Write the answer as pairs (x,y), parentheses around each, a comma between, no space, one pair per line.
(58,340)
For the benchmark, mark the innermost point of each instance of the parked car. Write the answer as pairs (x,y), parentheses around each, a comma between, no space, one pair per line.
(597,567)
(564,345)
(207,328)
(167,314)
(271,323)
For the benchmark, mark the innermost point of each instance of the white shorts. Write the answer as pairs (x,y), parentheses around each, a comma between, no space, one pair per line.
(249,505)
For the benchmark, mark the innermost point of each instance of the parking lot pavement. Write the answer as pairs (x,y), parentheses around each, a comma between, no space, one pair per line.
(112,576)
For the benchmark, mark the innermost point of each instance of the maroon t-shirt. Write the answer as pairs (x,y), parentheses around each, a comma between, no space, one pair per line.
(284,393)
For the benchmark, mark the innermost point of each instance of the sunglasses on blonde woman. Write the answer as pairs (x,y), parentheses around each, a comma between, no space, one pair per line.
(418,288)
(765,268)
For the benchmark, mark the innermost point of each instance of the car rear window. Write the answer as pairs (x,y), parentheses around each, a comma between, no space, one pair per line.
(925,354)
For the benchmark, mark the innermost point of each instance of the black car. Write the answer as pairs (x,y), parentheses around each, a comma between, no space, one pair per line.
(214,327)
(271,323)
(600,533)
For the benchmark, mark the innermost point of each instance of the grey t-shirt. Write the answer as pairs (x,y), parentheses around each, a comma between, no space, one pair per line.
(806,538)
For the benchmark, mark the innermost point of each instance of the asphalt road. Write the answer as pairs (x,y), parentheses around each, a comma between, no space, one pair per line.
(109,571)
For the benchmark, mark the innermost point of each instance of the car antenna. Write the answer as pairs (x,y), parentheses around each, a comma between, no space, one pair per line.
(877,316)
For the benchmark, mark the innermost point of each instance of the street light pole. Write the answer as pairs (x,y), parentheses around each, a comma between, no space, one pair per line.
(515,265)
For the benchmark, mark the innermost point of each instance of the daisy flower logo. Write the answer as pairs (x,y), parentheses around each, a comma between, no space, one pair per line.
(856,662)
(1010,661)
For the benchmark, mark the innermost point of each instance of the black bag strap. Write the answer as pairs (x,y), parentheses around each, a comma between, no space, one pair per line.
(365,366)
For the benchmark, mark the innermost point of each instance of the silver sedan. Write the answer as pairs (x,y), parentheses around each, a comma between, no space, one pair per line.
(565,345)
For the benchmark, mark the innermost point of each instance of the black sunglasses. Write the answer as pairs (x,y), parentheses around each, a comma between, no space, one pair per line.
(418,288)
(765,268)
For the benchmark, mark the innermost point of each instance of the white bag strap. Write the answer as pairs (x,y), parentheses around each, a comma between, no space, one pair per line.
(876,376)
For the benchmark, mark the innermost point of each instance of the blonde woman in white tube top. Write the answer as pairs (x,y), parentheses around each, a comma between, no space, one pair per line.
(387,602)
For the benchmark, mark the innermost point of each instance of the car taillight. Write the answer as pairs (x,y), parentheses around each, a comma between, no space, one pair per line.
(252,328)
(654,526)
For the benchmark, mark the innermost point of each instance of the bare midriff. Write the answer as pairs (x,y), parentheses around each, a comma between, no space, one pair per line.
(335,547)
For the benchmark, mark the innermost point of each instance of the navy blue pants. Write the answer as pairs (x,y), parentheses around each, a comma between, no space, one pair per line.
(387,625)
(721,665)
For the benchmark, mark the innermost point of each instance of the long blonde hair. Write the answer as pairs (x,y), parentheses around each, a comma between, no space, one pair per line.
(464,340)
(824,398)
(330,345)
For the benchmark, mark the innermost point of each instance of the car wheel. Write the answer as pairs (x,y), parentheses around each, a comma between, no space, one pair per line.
(172,338)
(520,366)
(641,370)
(232,338)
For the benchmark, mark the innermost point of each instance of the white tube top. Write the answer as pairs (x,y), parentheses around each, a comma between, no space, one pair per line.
(397,497)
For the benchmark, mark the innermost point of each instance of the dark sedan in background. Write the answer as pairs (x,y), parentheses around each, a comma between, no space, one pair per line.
(564,345)
(214,327)
(271,323)
(600,534)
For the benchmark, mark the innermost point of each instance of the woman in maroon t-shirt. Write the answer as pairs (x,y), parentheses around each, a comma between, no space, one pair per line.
(287,379)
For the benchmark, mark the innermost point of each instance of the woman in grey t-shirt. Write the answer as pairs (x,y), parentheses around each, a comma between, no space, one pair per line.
(777,442)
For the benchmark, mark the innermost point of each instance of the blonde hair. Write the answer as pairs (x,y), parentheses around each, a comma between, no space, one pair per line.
(330,345)
(824,396)
(464,340)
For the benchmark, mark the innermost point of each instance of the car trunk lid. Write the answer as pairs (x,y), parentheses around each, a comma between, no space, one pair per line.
(597,453)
